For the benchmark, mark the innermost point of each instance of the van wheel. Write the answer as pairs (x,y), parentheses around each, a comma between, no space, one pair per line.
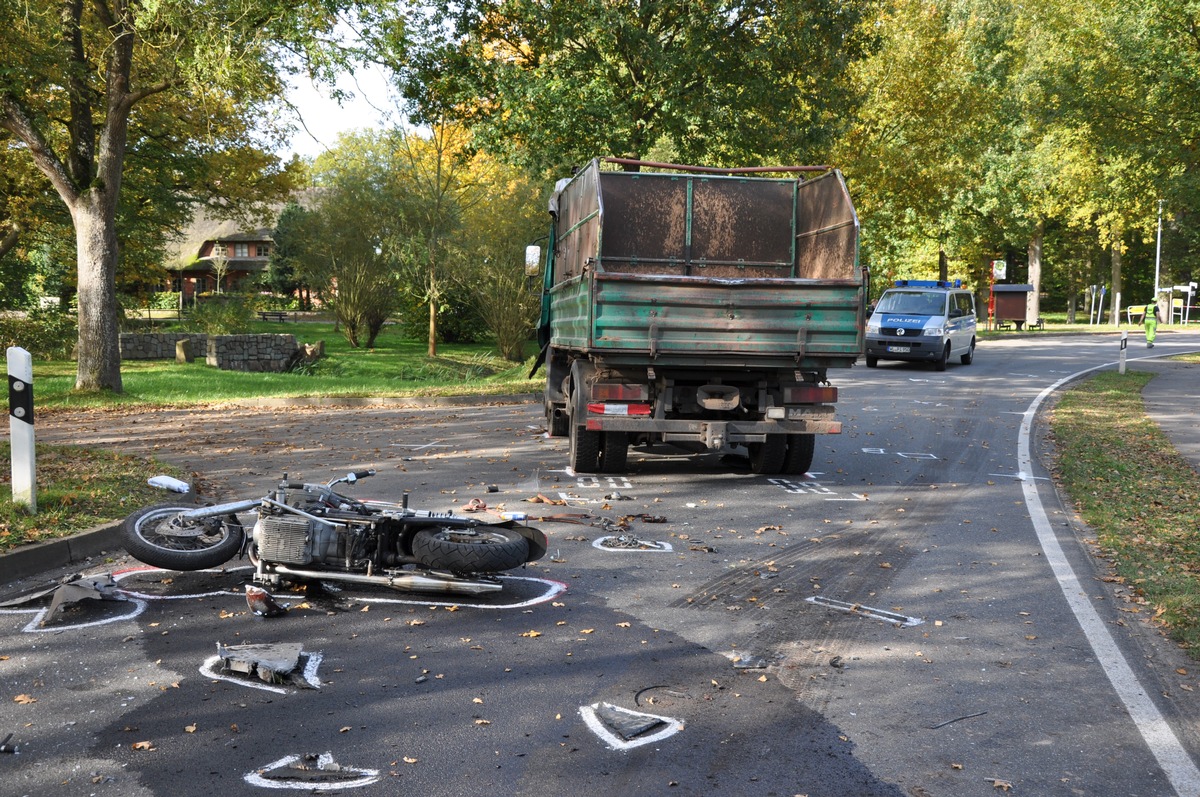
(872,361)
(940,363)
(970,355)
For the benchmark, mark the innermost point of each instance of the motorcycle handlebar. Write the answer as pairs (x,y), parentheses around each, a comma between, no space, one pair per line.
(349,478)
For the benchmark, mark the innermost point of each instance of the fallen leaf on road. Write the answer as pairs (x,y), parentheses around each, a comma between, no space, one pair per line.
(24,700)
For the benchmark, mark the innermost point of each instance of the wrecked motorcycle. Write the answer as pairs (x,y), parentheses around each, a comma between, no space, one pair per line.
(308,532)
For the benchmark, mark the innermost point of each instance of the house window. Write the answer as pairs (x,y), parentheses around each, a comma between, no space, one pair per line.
(241,250)
(219,249)
(262,250)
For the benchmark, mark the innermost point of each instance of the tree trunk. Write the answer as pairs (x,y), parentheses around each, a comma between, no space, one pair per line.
(1115,303)
(98,364)
(1033,305)
(943,265)
(433,302)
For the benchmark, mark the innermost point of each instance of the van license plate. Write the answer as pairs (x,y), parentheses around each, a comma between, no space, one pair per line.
(899,349)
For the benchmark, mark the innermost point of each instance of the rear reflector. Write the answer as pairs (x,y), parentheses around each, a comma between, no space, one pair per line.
(809,394)
(619,409)
(613,391)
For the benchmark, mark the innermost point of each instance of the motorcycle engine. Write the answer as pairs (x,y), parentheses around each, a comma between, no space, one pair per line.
(293,540)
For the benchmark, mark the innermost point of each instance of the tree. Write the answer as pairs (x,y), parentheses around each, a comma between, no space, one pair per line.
(348,244)
(552,83)
(75,71)
(510,215)
(285,263)
(442,186)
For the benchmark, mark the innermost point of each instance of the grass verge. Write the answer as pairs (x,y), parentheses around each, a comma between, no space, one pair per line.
(1139,495)
(395,366)
(77,489)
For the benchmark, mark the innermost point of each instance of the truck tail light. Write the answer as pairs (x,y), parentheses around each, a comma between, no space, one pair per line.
(619,409)
(810,394)
(616,391)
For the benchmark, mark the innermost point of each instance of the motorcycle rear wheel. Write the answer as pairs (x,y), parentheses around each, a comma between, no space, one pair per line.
(488,549)
(158,536)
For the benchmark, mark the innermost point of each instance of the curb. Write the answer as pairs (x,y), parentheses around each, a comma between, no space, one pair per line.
(29,560)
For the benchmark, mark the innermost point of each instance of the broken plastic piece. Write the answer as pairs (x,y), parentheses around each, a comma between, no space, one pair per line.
(169,483)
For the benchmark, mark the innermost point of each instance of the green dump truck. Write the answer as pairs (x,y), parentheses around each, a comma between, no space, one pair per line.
(701,308)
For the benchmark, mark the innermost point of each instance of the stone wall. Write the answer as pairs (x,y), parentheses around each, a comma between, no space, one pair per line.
(227,352)
(251,352)
(158,345)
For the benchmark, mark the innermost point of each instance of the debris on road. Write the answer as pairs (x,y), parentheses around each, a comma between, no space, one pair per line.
(277,663)
(70,590)
(262,604)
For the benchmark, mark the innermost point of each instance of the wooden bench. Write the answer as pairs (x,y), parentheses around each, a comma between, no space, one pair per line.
(273,315)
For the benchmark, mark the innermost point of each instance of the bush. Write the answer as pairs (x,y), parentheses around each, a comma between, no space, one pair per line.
(46,334)
(166,300)
(222,314)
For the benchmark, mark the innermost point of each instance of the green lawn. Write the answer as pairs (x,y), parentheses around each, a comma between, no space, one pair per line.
(394,367)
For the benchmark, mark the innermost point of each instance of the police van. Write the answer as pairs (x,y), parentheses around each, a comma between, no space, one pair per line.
(924,321)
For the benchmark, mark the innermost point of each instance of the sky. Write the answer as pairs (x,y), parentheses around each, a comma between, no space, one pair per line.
(324,119)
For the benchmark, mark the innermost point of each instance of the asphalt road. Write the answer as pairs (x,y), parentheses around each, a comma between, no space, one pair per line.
(904,601)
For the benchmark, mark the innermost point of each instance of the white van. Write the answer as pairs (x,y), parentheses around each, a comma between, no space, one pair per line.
(925,321)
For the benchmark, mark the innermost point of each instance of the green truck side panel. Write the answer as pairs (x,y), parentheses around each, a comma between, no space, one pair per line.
(698,271)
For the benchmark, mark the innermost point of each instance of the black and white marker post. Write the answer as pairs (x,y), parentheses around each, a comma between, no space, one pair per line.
(1124,343)
(20,427)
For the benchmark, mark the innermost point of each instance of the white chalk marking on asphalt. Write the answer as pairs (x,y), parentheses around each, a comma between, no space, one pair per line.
(553,590)
(35,625)
(856,498)
(652,546)
(615,742)
(255,778)
(1176,764)
(1020,476)
(423,446)
(866,611)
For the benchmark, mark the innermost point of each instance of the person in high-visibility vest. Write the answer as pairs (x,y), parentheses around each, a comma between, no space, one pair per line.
(1151,323)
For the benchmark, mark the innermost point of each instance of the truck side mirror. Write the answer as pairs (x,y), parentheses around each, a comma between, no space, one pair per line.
(533,260)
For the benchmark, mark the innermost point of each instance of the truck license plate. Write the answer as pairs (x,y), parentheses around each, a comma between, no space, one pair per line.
(899,349)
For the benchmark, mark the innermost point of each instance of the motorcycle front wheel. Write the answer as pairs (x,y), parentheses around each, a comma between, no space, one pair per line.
(162,537)
(487,549)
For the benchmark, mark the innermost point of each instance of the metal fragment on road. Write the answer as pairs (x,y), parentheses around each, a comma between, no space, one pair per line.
(275,665)
(857,608)
(623,729)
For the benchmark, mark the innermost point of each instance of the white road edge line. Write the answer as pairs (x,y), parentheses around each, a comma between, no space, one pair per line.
(1176,764)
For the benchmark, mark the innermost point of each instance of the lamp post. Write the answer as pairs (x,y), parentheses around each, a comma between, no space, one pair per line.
(1158,252)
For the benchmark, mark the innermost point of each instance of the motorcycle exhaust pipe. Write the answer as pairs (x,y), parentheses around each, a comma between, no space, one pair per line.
(413,582)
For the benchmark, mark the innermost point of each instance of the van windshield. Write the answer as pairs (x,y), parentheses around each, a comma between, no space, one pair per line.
(913,303)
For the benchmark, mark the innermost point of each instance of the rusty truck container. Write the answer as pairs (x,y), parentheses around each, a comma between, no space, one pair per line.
(701,309)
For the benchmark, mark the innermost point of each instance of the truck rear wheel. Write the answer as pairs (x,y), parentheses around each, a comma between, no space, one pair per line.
(800,450)
(585,450)
(614,452)
(768,457)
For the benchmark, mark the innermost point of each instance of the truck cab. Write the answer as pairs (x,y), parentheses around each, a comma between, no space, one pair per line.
(922,321)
